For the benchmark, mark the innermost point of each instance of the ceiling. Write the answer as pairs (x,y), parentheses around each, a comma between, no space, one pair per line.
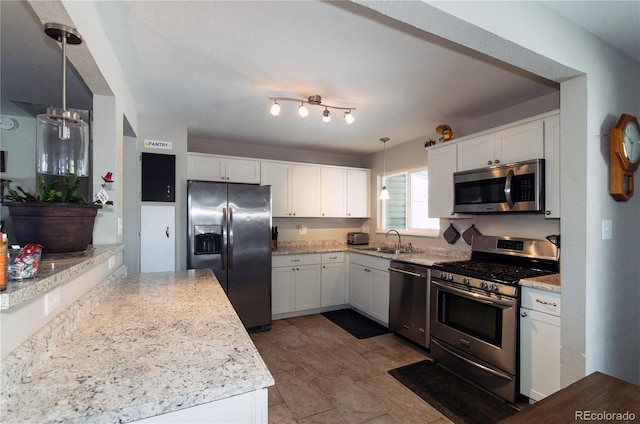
(216,63)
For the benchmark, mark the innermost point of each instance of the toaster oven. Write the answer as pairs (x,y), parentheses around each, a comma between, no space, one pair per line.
(357,238)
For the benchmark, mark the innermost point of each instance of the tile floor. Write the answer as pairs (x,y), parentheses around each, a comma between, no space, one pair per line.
(325,375)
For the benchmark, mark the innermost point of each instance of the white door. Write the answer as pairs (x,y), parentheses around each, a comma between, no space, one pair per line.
(333,195)
(157,238)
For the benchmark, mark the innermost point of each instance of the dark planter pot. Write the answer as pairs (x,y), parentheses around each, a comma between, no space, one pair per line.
(58,227)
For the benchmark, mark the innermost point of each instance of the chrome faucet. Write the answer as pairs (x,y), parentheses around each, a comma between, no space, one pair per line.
(399,241)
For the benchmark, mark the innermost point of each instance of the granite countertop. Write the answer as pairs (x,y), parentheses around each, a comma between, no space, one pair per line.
(53,270)
(550,283)
(158,343)
(425,257)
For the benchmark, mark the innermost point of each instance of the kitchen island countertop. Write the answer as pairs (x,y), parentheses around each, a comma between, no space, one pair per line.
(160,342)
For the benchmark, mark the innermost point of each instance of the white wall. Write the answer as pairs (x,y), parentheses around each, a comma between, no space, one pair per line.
(20,146)
(174,130)
(600,277)
(228,148)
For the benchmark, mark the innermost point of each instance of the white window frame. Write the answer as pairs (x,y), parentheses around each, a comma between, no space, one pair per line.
(422,232)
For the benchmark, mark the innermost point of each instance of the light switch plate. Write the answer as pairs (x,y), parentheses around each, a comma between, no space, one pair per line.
(606,229)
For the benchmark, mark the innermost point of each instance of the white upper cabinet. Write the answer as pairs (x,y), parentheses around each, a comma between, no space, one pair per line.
(358,193)
(222,169)
(333,189)
(476,152)
(295,189)
(305,190)
(514,144)
(276,175)
(345,192)
(442,163)
(534,138)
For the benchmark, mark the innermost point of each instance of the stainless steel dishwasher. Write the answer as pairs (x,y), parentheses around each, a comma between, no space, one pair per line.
(408,301)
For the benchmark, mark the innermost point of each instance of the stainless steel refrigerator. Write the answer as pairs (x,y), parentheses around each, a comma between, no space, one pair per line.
(230,232)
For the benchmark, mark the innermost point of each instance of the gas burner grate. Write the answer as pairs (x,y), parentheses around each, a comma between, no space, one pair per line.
(506,274)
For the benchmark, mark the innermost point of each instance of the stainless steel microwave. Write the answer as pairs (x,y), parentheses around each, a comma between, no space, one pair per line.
(513,187)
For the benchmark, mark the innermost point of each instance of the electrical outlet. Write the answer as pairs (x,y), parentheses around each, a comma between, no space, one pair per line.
(119,226)
(606,229)
(112,262)
(51,301)
(302,230)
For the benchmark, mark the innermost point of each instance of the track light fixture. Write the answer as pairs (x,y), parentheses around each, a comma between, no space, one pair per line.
(314,100)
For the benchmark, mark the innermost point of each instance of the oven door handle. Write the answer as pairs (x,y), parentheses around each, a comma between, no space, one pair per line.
(474,296)
(470,362)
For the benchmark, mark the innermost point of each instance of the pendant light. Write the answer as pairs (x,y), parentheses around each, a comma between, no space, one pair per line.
(384,193)
(62,138)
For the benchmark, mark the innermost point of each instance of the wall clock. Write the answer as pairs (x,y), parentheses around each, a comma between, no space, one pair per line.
(624,156)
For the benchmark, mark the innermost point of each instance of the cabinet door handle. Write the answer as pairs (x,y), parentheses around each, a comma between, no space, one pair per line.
(497,161)
(547,212)
(523,314)
(554,304)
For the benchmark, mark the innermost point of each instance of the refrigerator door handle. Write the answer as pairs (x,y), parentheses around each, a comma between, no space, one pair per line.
(230,261)
(224,239)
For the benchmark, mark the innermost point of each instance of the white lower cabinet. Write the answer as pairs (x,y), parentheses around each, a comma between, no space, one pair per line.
(295,283)
(369,286)
(539,343)
(334,282)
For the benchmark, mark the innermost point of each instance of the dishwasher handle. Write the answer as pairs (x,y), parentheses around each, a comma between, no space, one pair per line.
(402,271)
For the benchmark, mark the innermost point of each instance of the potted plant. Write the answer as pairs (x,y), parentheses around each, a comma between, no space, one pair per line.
(60,222)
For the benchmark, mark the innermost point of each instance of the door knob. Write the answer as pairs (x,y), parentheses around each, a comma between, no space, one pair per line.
(167,232)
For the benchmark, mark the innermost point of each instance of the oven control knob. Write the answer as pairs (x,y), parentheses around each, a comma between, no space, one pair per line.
(443,276)
(466,281)
(494,287)
(483,285)
(450,277)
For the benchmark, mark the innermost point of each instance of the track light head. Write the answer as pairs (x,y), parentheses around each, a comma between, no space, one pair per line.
(275,109)
(303,111)
(348,117)
(326,116)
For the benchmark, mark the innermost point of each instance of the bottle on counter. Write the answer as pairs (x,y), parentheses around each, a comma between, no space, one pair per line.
(4,251)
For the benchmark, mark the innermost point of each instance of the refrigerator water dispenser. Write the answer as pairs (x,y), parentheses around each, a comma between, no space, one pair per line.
(207,240)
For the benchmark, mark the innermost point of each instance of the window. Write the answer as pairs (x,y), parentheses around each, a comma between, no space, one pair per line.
(407,207)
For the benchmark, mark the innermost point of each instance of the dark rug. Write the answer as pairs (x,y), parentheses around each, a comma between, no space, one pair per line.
(358,325)
(456,398)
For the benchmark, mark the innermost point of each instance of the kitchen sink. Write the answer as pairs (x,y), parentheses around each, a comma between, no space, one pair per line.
(386,250)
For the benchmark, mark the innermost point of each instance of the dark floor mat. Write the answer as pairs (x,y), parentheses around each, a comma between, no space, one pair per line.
(459,400)
(358,325)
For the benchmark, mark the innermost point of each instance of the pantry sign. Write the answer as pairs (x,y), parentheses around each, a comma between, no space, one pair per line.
(156,144)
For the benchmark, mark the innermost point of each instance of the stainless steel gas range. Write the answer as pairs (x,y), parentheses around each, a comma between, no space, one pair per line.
(474,309)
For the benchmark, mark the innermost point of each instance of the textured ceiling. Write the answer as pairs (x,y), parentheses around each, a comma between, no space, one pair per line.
(216,63)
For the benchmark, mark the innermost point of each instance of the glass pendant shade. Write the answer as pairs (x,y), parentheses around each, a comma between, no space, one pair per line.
(384,193)
(62,146)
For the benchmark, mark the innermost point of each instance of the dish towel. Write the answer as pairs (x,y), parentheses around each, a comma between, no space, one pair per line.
(451,235)
(469,233)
